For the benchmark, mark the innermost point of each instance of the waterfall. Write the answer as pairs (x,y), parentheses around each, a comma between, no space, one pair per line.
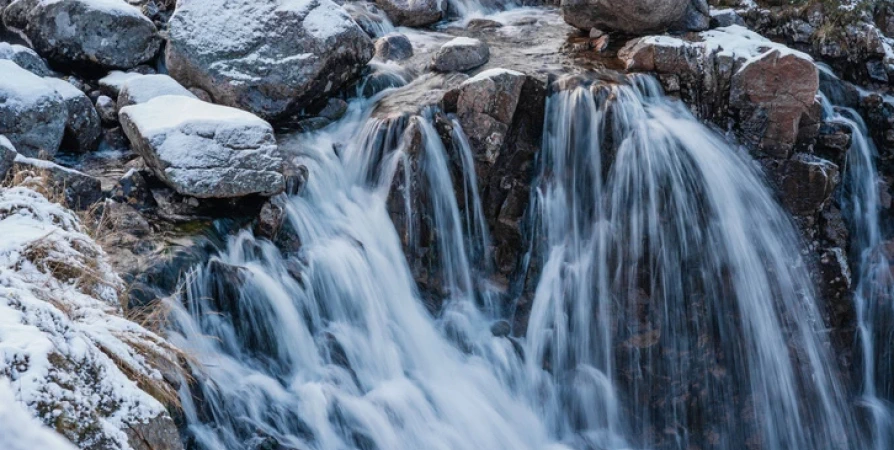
(671,307)
(874,282)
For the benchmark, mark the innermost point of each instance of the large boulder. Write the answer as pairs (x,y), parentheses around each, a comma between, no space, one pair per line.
(25,57)
(205,150)
(805,183)
(92,33)
(413,13)
(461,54)
(394,47)
(485,107)
(270,57)
(146,87)
(629,16)
(32,114)
(82,127)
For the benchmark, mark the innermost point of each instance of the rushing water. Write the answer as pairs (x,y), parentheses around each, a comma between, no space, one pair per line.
(671,307)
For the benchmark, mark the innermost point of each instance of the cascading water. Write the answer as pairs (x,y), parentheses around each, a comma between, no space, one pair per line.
(874,291)
(670,306)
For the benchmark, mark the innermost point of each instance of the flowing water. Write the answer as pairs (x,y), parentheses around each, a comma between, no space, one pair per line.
(670,305)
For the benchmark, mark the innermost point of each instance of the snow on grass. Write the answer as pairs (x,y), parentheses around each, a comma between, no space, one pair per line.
(21,431)
(70,356)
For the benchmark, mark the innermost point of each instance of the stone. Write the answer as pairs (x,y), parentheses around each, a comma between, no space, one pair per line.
(79,189)
(132,189)
(124,218)
(269,57)
(158,433)
(32,113)
(461,54)
(485,107)
(770,95)
(413,13)
(205,150)
(144,88)
(483,24)
(112,83)
(725,18)
(26,58)
(7,156)
(335,108)
(393,47)
(834,141)
(600,44)
(82,127)
(270,220)
(88,33)
(805,183)
(107,109)
(697,17)
(201,94)
(628,16)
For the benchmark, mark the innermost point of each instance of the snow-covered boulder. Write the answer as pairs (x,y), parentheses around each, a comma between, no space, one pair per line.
(71,357)
(94,33)
(205,150)
(461,54)
(112,83)
(32,114)
(270,57)
(413,13)
(82,128)
(144,88)
(26,58)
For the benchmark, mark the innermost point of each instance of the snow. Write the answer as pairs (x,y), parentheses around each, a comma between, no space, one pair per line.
(462,41)
(116,79)
(61,327)
(170,112)
(65,89)
(739,42)
(327,20)
(145,88)
(26,88)
(491,73)
(113,7)
(21,431)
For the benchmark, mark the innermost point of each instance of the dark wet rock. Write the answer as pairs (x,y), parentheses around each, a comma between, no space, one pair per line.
(82,127)
(833,229)
(276,60)
(461,54)
(483,24)
(205,150)
(32,113)
(7,156)
(158,433)
(878,112)
(335,108)
(271,218)
(629,16)
(79,189)
(697,17)
(84,32)
(114,139)
(121,217)
(107,109)
(394,46)
(26,58)
(725,18)
(501,328)
(142,89)
(133,189)
(805,182)
(413,13)
(833,142)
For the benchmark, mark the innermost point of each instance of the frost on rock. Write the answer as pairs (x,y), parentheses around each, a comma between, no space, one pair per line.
(270,57)
(32,114)
(205,150)
(69,355)
(144,88)
(21,431)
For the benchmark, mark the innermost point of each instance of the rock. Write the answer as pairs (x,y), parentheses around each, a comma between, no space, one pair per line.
(79,189)
(501,328)
(271,219)
(26,58)
(394,47)
(158,433)
(335,108)
(483,24)
(413,13)
(107,109)
(629,16)
(121,217)
(725,18)
(89,33)
(270,57)
(144,88)
(600,44)
(697,17)
(461,54)
(112,83)
(878,111)
(770,94)
(132,189)
(82,128)
(7,156)
(32,114)
(485,107)
(805,182)
(204,150)
(596,33)
(201,94)
(834,141)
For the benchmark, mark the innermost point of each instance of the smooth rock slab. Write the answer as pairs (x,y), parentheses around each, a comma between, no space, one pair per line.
(92,33)
(146,87)
(461,54)
(32,114)
(629,16)
(270,57)
(82,127)
(204,150)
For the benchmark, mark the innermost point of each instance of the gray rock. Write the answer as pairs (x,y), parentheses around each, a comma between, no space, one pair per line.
(413,13)
(394,46)
(201,94)
(144,88)
(629,16)
(335,109)
(805,182)
(79,189)
(32,114)
(133,190)
(485,106)
(461,54)
(265,56)
(696,18)
(82,128)
(158,433)
(93,33)
(725,18)
(26,58)
(204,150)
(112,83)
(107,109)
(7,156)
